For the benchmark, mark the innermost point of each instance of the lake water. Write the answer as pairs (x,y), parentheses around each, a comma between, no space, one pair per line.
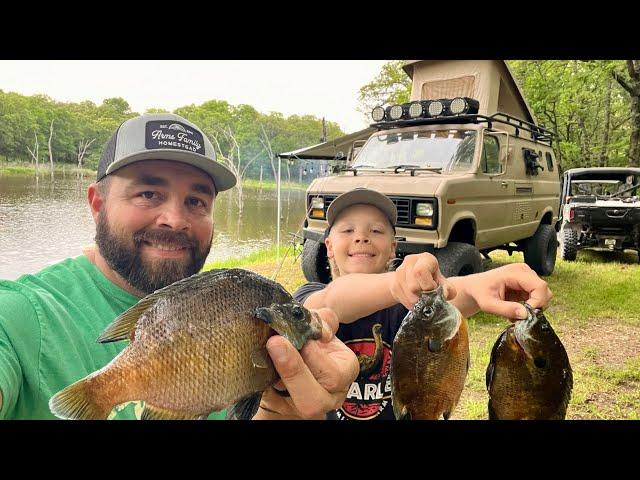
(44,222)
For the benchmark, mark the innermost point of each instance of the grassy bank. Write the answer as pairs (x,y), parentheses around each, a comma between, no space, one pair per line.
(15,168)
(271,185)
(593,313)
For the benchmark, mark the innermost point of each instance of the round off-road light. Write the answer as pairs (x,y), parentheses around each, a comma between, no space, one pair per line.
(396,112)
(415,110)
(458,105)
(435,108)
(377,114)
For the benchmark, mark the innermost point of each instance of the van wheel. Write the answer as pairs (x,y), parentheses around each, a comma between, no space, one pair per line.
(315,265)
(459,259)
(540,250)
(568,244)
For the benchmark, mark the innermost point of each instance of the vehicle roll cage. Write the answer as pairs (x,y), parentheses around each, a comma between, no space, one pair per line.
(538,133)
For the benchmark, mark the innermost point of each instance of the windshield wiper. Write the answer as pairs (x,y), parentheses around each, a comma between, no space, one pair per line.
(413,168)
(625,190)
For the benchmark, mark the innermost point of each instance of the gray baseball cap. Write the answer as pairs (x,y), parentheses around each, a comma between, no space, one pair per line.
(163,136)
(365,196)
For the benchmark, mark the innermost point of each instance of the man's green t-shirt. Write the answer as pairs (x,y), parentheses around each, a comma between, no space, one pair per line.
(49,323)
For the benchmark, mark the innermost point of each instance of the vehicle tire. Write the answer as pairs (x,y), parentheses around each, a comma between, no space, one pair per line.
(459,259)
(315,265)
(540,250)
(569,244)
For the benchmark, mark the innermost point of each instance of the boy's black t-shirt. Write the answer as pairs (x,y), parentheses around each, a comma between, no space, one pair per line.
(369,397)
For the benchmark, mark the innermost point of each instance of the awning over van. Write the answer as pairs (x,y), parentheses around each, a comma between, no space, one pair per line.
(336,149)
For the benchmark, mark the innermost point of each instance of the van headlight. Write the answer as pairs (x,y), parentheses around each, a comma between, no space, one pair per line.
(424,214)
(424,210)
(317,207)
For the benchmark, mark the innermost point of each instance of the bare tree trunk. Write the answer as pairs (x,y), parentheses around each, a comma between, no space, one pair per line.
(607,125)
(82,150)
(632,86)
(261,166)
(34,154)
(50,152)
(288,172)
(266,144)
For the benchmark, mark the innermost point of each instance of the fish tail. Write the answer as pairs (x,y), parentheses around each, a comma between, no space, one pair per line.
(78,402)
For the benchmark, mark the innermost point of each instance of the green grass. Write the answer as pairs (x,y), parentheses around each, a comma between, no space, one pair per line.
(593,311)
(17,168)
(271,185)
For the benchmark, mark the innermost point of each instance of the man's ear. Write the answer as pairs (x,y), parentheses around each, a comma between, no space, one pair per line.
(327,243)
(96,200)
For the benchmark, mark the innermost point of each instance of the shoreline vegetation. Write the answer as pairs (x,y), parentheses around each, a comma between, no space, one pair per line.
(25,169)
(592,314)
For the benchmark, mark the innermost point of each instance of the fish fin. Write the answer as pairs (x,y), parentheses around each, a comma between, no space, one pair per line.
(404,414)
(492,413)
(245,408)
(446,414)
(124,325)
(492,360)
(151,412)
(260,358)
(77,402)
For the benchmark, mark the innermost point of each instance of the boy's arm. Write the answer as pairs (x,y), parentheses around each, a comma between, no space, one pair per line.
(354,296)
(498,291)
(360,294)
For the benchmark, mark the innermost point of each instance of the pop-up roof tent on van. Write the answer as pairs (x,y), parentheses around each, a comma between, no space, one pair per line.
(488,81)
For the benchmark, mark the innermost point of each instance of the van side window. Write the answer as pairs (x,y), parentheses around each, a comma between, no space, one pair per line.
(491,155)
(549,161)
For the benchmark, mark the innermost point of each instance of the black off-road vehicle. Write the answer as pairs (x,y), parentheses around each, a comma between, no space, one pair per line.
(600,209)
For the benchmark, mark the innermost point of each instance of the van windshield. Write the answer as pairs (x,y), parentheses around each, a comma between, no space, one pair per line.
(449,150)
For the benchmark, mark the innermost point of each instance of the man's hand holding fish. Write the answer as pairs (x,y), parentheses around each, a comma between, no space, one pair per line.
(316,378)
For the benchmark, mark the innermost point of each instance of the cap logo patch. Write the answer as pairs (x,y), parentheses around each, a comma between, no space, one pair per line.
(178,136)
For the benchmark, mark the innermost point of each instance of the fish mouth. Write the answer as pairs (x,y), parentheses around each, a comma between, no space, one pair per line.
(264,314)
(539,362)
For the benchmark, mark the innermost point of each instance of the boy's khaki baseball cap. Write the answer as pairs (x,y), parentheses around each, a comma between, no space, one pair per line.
(364,196)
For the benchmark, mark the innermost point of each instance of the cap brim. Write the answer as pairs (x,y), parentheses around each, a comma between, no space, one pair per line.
(223,178)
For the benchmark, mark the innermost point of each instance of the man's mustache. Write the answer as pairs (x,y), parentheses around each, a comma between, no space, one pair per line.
(166,237)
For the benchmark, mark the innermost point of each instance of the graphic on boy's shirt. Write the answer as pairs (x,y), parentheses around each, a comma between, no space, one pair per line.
(370,393)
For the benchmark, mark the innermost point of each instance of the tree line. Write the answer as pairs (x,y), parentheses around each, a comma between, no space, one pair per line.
(592,106)
(42,131)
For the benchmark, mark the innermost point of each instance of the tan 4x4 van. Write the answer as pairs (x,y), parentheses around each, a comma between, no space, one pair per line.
(466,165)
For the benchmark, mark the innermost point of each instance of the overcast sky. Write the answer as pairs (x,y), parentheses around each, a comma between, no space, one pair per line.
(317,87)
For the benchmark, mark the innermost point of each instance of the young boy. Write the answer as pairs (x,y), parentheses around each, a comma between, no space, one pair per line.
(360,242)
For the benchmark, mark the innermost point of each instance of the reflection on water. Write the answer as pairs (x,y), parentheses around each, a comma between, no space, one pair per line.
(44,222)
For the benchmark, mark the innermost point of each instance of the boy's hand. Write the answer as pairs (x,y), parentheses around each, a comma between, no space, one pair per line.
(418,273)
(498,291)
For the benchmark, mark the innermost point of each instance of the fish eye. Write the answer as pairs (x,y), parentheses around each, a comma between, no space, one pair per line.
(540,362)
(298,314)
(427,311)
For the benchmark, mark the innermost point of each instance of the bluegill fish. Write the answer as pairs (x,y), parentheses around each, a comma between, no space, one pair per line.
(430,359)
(529,376)
(197,346)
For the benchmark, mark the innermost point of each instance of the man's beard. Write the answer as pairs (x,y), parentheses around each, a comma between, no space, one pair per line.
(148,276)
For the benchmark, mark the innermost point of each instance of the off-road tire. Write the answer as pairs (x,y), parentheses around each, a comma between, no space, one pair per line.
(540,250)
(569,244)
(459,259)
(315,265)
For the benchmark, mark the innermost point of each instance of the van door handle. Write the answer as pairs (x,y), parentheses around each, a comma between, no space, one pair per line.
(504,184)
